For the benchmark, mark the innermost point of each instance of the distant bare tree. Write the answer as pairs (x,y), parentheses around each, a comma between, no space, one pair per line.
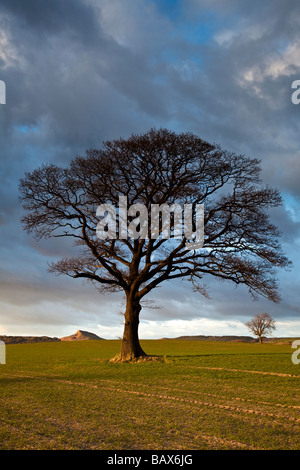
(159,167)
(261,325)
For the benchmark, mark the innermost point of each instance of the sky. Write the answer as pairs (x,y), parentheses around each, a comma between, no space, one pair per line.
(79,72)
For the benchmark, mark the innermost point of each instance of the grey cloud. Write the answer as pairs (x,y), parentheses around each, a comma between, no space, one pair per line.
(44,17)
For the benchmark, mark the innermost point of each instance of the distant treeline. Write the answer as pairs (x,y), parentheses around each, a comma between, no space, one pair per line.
(26,339)
(245,339)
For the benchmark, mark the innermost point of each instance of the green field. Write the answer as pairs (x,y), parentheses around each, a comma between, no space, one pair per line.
(197,395)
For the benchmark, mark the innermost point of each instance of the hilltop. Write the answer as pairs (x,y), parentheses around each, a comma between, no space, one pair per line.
(80,336)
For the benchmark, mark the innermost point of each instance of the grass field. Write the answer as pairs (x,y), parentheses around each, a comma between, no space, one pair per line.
(200,395)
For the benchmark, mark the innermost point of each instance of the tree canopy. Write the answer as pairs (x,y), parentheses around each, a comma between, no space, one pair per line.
(261,324)
(159,167)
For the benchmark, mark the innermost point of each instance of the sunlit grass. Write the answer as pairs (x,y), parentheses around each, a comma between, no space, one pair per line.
(202,395)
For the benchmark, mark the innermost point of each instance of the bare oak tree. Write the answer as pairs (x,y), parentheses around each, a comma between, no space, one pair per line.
(159,167)
(261,325)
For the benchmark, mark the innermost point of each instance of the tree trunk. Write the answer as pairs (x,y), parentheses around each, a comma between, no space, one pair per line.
(131,348)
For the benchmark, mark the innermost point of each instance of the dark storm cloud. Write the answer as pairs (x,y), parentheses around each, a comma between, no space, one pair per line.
(44,17)
(78,77)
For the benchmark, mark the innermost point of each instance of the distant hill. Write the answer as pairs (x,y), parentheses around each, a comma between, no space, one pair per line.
(85,335)
(80,336)
(27,339)
(246,339)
